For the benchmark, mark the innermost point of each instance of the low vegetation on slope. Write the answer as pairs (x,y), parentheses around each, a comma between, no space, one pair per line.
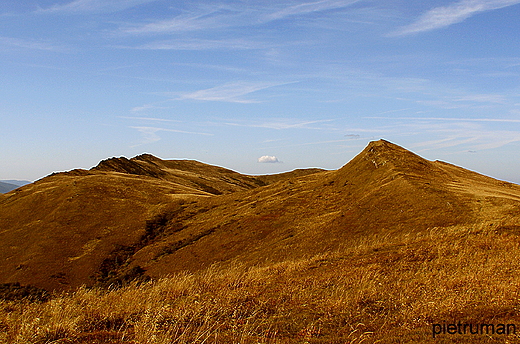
(380,289)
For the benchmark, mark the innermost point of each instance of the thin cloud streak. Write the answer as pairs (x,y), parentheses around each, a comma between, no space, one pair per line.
(236,15)
(149,134)
(205,44)
(155,129)
(469,133)
(449,119)
(92,6)
(30,44)
(182,23)
(148,107)
(446,143)
(150,119)
(440,17)
(281,125)
(312,143)
(230,92)
(477,140)
(309,7)
(483,98)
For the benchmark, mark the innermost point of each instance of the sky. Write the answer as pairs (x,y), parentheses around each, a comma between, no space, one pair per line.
(258,86)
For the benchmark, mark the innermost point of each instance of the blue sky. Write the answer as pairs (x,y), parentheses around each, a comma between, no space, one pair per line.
(258,86)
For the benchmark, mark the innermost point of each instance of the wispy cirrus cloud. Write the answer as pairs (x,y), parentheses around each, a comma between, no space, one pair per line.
(309,7)
(457,12)
(451,119)
(201,20)
(231,92)
(474,101)
(282,124)
(31,44)
(325,142)
(153,119)
(148,107)
(206,44)
(92,6)
(483,98)
(471,140)
(149,134)
(34,45)
(466,134)
(218,16)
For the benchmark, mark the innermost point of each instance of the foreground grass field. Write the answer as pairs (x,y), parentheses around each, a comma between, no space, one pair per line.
(381,289)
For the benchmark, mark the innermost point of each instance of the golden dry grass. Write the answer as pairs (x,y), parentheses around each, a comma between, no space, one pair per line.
(376,252)
(378,289)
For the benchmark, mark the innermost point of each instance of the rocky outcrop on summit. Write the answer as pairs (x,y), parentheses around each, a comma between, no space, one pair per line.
(203,177)
(131,166)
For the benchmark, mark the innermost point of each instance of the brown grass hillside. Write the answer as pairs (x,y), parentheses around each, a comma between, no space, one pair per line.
(378,290)
(385,190)
(72,228)
(376,252)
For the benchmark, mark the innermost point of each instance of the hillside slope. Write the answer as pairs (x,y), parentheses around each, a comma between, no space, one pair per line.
(60,231)
(385,190)
(147,217)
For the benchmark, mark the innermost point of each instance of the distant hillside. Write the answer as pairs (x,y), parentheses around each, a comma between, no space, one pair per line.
(16,182)
(6,187)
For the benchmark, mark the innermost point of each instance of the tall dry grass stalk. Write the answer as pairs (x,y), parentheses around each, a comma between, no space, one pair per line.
(384,289)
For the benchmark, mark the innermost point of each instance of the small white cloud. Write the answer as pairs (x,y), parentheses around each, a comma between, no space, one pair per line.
(268,159)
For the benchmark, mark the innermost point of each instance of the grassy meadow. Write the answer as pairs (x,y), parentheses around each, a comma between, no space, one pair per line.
(379,289)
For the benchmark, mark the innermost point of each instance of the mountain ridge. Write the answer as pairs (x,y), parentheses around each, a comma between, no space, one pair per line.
(147,217)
